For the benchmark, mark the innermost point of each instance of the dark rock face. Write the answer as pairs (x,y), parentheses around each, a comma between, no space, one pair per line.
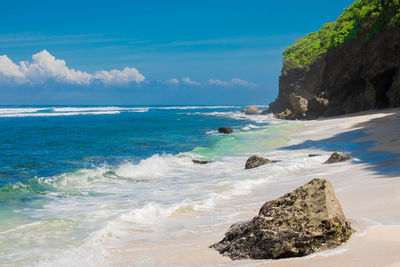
(225,130)
(357,76)
(256,161)
(252,110)
(305,221)
(201,162)
(337,157)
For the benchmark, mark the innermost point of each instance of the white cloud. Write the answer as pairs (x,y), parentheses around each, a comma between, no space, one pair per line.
(173,81)
(189,81)
(233,82)
(218,82)
(44,67)
(124,76)
(243,83)
(11,70)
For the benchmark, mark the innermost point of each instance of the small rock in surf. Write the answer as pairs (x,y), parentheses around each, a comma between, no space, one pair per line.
(225,130)
(257,161)
(202,162)
(337,157)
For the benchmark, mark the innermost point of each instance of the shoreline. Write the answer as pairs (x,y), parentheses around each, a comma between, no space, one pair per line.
(370,201)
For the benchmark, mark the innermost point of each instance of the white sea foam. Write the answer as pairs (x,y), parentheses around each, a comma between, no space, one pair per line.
(59,114)
(19,110)
(212,132)
(267,118)
(85,109)
(251,126)
(156,166)
(66,111)
(195,107)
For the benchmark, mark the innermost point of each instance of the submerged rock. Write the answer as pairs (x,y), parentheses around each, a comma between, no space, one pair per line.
(252,110)
(225,130)
(313,155)
(337,157)
(257,161)
(302,222)
(202,162)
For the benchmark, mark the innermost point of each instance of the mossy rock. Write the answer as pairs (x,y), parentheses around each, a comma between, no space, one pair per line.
(307,220)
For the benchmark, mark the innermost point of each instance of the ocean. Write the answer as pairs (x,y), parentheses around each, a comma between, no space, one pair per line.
(77,182)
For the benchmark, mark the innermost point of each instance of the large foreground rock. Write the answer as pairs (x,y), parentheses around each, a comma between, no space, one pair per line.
(305,221)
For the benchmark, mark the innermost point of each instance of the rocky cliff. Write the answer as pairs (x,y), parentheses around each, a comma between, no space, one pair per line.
(360,74)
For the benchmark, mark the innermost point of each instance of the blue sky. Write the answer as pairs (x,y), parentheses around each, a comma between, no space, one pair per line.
(150,52)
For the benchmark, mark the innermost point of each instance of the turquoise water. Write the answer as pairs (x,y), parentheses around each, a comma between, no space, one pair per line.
(79,177)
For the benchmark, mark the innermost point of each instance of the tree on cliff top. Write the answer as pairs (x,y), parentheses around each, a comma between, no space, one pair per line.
(364,18)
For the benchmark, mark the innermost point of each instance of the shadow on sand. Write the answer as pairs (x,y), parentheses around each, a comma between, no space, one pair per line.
(380,162)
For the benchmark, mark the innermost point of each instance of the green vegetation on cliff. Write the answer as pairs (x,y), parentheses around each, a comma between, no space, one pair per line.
(363,18)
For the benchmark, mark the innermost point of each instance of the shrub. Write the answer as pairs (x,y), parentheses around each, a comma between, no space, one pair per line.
(365,18)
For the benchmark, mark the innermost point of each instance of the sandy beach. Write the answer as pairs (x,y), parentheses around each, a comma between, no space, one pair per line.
(368,189)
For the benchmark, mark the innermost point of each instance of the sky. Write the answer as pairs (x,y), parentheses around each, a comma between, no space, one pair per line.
(175,52)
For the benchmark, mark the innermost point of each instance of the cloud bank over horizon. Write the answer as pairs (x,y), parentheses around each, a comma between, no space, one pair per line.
(45,67)
(233,82)
(211,82)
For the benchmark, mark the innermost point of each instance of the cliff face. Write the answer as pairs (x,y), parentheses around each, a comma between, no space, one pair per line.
(354,77)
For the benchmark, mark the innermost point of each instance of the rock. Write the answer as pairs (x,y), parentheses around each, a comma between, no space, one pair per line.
(252,110)
(257,161)
(337,157)
(299,105)
(225,130)
(307,220)
(286,114)
(357,76)
(202,162)
(313,155)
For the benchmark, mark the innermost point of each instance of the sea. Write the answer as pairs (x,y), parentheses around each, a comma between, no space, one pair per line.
(77,182)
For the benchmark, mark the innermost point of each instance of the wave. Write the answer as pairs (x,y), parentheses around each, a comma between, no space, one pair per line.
(237,115)
(65,111)
(57,114)
(73,111)
(85,109)
(157,166)
(196,107)
(251,126)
